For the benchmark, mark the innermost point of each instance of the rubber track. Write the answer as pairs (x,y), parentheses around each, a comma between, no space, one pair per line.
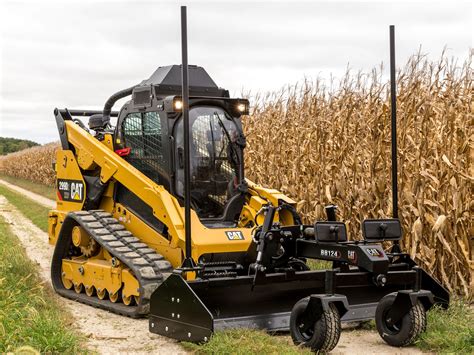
(149,267)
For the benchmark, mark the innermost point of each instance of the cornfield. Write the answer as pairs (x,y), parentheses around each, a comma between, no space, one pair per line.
(331,145)
(33,164)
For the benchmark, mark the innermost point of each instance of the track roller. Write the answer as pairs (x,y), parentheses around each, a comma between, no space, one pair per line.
(78,288)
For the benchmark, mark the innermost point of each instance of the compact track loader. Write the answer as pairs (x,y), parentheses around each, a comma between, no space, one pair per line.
(155,217)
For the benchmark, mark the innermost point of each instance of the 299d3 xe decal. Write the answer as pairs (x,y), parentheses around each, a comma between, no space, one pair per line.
(71,190)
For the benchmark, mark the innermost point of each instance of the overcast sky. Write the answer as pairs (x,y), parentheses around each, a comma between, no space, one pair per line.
(76,54)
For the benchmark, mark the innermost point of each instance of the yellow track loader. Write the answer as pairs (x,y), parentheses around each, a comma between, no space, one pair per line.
(155,217)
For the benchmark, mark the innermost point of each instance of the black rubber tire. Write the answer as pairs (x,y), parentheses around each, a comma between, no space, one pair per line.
(407,330)
(325,333)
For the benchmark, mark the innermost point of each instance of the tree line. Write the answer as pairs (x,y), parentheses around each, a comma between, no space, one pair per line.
(10,145)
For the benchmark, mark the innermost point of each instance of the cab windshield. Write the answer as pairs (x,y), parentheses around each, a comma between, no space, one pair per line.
(214,160)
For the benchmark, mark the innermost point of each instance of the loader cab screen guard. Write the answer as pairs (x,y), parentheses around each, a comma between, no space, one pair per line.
(215,159)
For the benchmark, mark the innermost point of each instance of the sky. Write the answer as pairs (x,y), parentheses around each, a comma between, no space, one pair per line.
(76,54)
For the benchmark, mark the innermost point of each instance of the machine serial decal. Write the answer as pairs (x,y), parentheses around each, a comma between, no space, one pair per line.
(71,190)
(234,235)
(331,253)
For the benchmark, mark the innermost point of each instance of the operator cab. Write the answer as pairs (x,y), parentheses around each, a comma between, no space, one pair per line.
(214,159)
(151,125)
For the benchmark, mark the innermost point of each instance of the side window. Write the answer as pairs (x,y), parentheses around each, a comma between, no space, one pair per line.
(142,133)
(132,125)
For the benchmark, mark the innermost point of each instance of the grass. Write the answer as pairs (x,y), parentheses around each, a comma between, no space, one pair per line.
(319,264)
(40,189)
(246,341)
(449,331)
(29,315)
(37,213)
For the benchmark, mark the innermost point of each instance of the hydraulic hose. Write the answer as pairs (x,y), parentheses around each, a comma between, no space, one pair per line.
(113,99)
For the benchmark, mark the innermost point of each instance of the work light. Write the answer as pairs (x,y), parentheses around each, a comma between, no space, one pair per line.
(178,105)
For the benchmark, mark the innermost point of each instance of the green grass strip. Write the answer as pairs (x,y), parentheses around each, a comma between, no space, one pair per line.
(29,315)
(449,331)
(246,341)
(40,189)
(37,213)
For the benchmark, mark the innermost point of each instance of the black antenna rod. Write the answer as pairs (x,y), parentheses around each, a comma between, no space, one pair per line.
(188,262)
(393,97)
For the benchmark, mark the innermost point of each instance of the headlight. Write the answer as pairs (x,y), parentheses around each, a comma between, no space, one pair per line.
(242,107)
(178,105)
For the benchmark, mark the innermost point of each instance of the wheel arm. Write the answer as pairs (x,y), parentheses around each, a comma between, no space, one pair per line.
(405,300)
(318,304)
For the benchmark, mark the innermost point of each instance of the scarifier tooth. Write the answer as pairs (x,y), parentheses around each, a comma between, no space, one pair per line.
(123,250)
(124,234)
(94,224)
(132,255)
(163,264)
(109,238)
(101,231)
(131,239)
(147,272)
(147,251)
(139,245)
(116,227)
(116,244)
(155,257)
(139,262)
(87,218)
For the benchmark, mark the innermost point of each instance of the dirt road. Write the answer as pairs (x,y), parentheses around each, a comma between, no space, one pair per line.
(35,197)
(109,333)
(106,332)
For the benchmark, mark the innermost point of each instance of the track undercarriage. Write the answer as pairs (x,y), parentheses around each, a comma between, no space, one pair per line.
(104,265)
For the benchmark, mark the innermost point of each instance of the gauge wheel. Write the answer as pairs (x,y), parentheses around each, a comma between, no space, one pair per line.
(407,329)
(323,335)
